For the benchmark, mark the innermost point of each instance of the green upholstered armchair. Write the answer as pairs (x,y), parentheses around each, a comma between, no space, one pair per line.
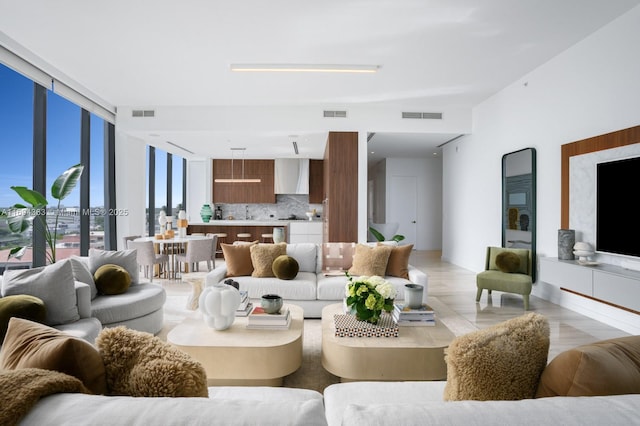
(508,270)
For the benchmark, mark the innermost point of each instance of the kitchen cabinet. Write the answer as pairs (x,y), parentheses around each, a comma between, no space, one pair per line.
(340,204)
(305,232)
(316,181)
(241,192)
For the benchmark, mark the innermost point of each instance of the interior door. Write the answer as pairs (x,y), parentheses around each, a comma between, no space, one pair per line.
(403,207)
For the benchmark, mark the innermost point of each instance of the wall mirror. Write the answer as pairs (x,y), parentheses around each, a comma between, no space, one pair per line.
(519,200)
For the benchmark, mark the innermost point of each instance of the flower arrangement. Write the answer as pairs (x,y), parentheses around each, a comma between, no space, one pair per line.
(367,297)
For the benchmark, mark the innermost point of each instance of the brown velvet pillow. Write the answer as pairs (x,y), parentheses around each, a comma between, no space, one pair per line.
(370,260)
(262,257)
(508,262)
(32,345)
(20,306)
(502,362)
(285,267)
(238,259)
(608,367)
(112,279)
(398,263)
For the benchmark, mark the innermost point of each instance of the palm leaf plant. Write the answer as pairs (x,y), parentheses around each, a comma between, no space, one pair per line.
(35,213)
(397,238)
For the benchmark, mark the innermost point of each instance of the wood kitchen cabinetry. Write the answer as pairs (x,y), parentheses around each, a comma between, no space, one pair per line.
(250,192)
(316,181)
(232,231)
(340,204)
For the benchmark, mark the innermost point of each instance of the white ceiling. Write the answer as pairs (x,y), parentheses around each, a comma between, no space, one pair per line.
(433,54)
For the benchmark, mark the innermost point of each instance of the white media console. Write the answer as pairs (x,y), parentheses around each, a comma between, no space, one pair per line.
(605,283)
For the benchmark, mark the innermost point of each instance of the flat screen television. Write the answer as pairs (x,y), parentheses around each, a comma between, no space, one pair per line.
(617,194)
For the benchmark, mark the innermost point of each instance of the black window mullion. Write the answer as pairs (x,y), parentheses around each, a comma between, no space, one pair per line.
(110,230)
(169,184)
(152,194)
(39,167)
(85,159)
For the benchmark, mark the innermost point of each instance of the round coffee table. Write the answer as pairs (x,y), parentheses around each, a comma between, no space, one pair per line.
(416,354)
(241,356)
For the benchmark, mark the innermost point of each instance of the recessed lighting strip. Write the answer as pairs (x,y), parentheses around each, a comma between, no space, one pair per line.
(338,68)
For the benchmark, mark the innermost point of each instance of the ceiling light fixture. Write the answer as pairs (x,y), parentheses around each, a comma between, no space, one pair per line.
(233,179)
(339,68)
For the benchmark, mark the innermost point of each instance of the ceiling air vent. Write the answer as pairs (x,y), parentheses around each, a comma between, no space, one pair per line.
(336,114)
(423,115)
(143,113)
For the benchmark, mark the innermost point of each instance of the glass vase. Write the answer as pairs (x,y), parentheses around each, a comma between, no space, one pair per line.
(206,213)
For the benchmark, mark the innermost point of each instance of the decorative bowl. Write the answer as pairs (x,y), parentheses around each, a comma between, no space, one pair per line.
(271,303)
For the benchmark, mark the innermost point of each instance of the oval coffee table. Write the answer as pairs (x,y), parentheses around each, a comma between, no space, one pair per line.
(241,356)
(416,354)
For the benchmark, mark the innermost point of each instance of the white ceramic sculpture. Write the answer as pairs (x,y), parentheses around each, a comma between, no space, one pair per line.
(218,305)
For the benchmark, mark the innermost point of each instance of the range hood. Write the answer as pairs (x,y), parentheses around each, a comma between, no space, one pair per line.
(291,176)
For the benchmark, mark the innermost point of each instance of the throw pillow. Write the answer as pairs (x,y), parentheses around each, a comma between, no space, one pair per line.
(125,258)
(20,306)
(32,345)
(140,364)
(285,267)
(237,257)
(523,254)
(81,273)
(508,262)
(502,362)
(398,264)
(53,284)
(337,258)
(370,260)
(262,257)
(608,367)
(112,279)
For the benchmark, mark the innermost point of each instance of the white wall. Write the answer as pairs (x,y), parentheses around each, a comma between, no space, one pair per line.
(588,90)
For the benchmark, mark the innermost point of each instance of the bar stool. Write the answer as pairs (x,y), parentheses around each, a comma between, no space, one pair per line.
(243,236)
(266,237)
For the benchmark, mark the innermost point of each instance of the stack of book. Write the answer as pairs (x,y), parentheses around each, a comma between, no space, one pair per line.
(405,316)
(259,319)
(245,304)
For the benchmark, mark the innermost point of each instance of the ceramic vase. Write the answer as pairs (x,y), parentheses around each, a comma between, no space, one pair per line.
(218,305)
(278,235)
(206,213)
(566,240)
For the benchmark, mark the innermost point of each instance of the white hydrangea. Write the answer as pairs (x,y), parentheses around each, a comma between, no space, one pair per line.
(386,290)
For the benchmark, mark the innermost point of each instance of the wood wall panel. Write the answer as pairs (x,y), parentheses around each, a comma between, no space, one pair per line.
(316,182)
(616,139)
(240,193)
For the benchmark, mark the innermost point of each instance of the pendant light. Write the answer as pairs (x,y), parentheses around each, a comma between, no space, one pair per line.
(233,178)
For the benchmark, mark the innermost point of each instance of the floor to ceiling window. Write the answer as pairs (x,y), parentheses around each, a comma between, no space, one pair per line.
(96,178)
(16,144)
(165,189)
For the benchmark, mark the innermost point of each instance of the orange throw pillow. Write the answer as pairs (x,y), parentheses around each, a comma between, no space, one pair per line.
(398,264)
(238,259)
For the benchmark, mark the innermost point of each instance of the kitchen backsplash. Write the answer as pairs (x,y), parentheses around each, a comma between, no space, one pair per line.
(285,207)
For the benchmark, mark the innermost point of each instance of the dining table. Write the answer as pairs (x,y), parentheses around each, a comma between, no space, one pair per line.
(172,247)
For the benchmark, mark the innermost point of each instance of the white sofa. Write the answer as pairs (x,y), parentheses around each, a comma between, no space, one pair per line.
(311,289)
(357,403)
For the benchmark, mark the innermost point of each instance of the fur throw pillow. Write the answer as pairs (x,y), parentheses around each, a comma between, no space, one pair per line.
(508,262)
(140,364)
(502,362)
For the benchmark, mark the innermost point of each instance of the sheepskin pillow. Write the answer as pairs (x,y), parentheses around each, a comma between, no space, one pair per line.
(140,364)
(502,362)
(112,279)
(237,257)
(608,367)
(370,260)
(32,345)
(262,257)
(21,306)
(285,267)
(508,262)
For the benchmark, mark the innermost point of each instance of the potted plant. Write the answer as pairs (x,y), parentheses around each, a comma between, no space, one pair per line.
(397,238)
(22,216)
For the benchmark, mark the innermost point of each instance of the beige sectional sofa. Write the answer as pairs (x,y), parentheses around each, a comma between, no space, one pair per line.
(314,286)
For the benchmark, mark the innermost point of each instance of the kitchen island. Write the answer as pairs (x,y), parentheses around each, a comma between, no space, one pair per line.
(234,227)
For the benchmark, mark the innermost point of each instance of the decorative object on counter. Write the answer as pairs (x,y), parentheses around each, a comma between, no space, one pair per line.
(278,235)
(218,215)
(218,304)
(162,220)
(413,295)
(182,224)
(367,297)
(271,303)
(310,215)
(566,240)
(206,213)
(583,251)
